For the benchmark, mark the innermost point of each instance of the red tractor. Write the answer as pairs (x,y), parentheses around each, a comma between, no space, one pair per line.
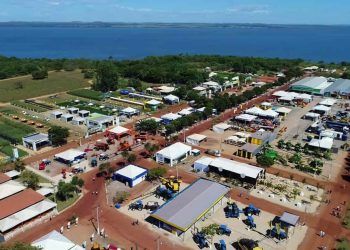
(124,146)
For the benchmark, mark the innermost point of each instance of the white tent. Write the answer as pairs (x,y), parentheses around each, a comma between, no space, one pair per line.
(129,111)
(270,113)
(328,102)
(170,117)
(172,99)
(245,117)
(70,156)
(186,111)
(255,111)
(153,102)
(242,169)
(55,240)
(313,116)
(266,104)
(119,130)
(221,127)
(322,108)
(202,164)
(195,139)
(173,153)
(325,143)
(242,134)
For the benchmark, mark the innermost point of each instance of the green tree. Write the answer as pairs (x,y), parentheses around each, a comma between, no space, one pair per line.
(131,158)
(155,173)
(18,246)
(151,148)
(65,190)
(58,135)
(265,161)
(39,74)
(106,77)
(30,179)
(135,83)
(281,144)
(102,168)
(121,196)
(148,125)
(19,165)
(76,181)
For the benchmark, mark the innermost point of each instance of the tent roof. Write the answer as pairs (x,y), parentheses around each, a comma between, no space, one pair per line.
(204,161)
(318,82)
(197,137)
(70,154)
(118,130)
(328,102)
(171,97)
(321,108)
(242,134)
(190,204)
(55,240)
(170,116)
(289,218)
(246,117)
(236,167)
(10,188)
(199,88)
(175,150)
(129,110)
(266,104)
(153,102)
(45,191)
(283,110)
(131,171)
(325,143)
(311,114)
(12,173)
(186,111)
(221,126)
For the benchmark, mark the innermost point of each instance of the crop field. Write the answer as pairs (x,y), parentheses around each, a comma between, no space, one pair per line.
(93,107)
(6,148)
(13,131)
(26,87)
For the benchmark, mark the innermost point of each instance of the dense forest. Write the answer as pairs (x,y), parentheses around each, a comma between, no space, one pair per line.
(180,69)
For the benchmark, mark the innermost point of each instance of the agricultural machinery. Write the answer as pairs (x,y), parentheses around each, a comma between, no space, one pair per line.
(224,230)
(103,157)
(100,145)
(138,205)
(278,233)
(222,245)
(164,193)
(171,183)
(200,240)
(93,162)
(151,205)
(251,209)
(232,210)
(124,146)
(250,222)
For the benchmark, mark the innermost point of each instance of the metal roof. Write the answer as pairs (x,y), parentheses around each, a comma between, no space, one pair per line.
(341,86)
(37,137)
(175,150)
(289,218)
(191,204)
(131,171)
(10,188)
(319,82)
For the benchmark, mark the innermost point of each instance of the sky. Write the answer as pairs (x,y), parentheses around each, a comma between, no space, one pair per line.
(179,11)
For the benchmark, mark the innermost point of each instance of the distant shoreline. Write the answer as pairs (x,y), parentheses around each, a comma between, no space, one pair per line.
(158,25)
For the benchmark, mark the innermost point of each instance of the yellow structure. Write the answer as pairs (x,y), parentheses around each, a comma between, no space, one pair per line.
(171,183)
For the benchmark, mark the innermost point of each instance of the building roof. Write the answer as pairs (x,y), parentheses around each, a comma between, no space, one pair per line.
(240,168)
(191,204)
(12,173)
(131,171)
(4,178)
(328,102)
(119,130)
(341,86)
(199,88)
(18,202)
(55,240)
(211,84)
(44,191)
(35,138)
(196,137)
(267,104)
(186,111)
(246,117)
(251,148)
(165,89)
(289,218)
(56,113)
(260,112)
(263,135)
(221,126)
(242,134)
(175,150)
(170,116)
(78,119)
(204,161)
(67,116)
(325,143)
(318,82)
(10,188)
(70,154)
(283,110)
(26,214)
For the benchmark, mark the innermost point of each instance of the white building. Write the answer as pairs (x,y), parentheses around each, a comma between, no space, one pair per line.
(173,154)
(36,141)
(130,175)
(195,139)
(54,240)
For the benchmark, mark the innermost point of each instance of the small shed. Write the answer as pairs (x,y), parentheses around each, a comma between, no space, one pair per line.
(70,156)
(312,116)
(324,143)
(289,219)
(56,114)
(67,117)
(221,127)
(202,164)
(153,104)
(283,111)
(84,113)
(36,141)
(130,175)
(73,110)
(118,132)
(321,109)
(195,139)
(45,191)
(328,102)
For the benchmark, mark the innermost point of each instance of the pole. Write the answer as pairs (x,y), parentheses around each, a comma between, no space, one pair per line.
(98,220)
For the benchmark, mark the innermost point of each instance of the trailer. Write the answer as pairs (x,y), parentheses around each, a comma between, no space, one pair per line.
(100,145)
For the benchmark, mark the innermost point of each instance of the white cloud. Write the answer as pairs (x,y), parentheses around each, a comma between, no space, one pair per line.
(132,9)
(251,9)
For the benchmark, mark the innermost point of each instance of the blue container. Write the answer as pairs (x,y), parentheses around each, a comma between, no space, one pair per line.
(117,206)
(124,92)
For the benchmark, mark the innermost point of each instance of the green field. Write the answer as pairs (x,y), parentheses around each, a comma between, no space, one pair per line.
(343,244)
(6,148)
(13,131)
(87,93)
(56,82)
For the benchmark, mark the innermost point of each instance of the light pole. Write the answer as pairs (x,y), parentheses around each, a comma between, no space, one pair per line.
(98,220)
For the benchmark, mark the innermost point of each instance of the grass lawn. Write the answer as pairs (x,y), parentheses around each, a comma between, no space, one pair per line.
(41,179)
(343,244)
(56,82)
(64,204)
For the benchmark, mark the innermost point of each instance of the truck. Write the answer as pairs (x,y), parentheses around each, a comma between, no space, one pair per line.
(213,152)
(100,145)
